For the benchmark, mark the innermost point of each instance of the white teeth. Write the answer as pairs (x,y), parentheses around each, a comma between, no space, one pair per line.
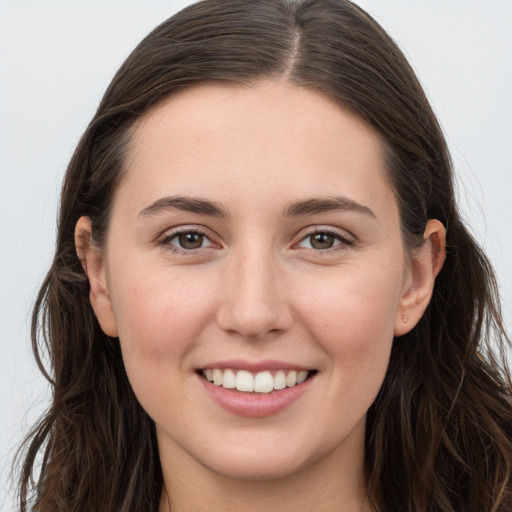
(261,382)
(244,381)
(291,379)
(301,376)
(217,377)
(279,380)
(229,381)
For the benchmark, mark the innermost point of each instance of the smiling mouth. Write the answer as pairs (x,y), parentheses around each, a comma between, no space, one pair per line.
(260,382)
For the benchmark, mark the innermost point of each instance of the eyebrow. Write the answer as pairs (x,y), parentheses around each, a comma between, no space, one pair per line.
(304,207)
(325,204)
(184,203)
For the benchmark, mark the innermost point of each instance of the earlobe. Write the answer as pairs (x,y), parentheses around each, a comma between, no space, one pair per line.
(93,263)
(426,263)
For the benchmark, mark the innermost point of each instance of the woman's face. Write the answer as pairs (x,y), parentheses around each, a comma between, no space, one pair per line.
(254,235)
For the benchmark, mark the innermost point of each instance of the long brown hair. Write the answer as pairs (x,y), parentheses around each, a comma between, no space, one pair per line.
(439,435)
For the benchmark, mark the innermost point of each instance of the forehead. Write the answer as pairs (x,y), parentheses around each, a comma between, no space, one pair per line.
(272,138)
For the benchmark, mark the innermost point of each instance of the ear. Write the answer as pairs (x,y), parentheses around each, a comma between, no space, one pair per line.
(93,263)
(426,263)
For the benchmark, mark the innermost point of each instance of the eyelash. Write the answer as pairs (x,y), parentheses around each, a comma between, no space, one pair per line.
(344,241)
(166,240)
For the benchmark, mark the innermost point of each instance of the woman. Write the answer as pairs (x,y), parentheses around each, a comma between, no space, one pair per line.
(263,296)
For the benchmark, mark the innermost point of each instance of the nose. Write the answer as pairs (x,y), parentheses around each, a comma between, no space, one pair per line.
(254,301)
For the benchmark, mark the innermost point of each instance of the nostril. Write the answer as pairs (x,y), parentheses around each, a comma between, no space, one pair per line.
(254,323)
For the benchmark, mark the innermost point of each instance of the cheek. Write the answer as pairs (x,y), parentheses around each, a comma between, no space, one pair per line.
(160,314)
(354,300)
(351,315)
(354,327)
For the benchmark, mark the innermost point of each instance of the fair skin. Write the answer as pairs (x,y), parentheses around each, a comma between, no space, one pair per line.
(262,268)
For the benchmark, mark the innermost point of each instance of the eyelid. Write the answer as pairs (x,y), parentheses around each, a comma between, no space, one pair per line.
(344,237)
(169,234)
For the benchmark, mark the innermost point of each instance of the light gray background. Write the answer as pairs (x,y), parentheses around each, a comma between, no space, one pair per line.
(56,59)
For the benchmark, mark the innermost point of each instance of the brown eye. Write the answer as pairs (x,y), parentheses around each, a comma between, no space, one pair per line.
(183,242)
(322,241)
(190,240)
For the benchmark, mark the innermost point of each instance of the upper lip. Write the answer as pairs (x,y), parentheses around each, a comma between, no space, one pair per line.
(254,366)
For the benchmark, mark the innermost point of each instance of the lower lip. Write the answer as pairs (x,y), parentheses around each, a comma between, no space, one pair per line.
(255,405)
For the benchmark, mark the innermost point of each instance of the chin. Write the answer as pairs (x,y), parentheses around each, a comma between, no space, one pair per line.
(263,464)
(257,470)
